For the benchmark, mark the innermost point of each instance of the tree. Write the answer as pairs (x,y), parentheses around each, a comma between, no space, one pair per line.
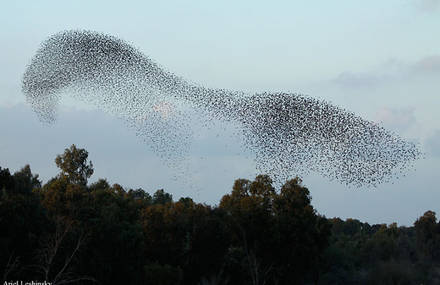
(52,264)
(428,236)
(257,235)
(74,166)
(6,180)
(22,221)
(157,274)
(249,210)
(302,234)
(25,180)
(162,198)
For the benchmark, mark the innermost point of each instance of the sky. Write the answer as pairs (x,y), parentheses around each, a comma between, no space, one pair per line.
(379,59)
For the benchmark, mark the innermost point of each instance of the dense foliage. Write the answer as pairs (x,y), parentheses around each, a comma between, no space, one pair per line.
(69,231)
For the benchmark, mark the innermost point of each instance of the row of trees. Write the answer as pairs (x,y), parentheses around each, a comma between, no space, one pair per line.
(68,231)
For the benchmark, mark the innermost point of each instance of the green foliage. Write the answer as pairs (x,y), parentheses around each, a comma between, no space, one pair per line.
(64,231)
(161,197)
(74,166)
(280,235)
(6,180)
(156,274)
(24,180)
(22,221)
(428,236)
(392,272)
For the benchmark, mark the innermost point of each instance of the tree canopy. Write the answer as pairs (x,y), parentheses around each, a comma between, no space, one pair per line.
(74,166)
(67,231)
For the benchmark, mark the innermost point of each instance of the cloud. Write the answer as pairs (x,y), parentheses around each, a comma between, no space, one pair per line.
(429,64)
(363,80)
(427,5)
(432,144)
(381,74)
(399,120)
(391,71)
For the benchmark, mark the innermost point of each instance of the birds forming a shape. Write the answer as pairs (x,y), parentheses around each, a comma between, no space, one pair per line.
(289,134)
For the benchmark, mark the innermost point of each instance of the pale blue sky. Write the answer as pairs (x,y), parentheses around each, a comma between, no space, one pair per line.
(380,59)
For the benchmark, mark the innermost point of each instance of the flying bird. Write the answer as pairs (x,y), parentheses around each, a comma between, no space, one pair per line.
(289,133)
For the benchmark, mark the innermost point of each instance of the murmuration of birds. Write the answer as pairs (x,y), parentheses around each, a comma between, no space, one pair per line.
(288,134)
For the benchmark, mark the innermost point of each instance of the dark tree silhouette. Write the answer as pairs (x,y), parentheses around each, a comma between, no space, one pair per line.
(65,231)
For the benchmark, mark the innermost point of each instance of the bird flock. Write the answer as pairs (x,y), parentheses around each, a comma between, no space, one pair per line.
(288,134)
